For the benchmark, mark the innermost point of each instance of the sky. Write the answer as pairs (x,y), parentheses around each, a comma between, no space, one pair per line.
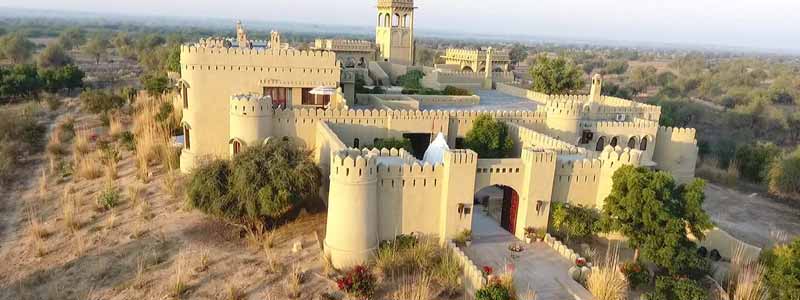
(756,24)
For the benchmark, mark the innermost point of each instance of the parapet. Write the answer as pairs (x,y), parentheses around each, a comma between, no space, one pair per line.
(627,156)
(677,134)
(396,3)
(460,157)
(635,124)
(351,166)
(250,105)
(564,107)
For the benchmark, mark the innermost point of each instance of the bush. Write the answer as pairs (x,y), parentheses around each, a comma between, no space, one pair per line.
(97,101)
(454,91)
(493,292)
(754,160)
(489,138)
(358,283)
(784,176)
(108,199)
(127,140)
(574,222)
(782,276)
(397,143)
(636,273)
(262,183)
(411,80)
(668,288)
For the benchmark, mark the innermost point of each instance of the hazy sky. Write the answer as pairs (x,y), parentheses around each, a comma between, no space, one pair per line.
(766,24)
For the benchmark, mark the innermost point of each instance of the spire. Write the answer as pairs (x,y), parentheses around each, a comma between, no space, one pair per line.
(597,88)
(487,80)
(241,36)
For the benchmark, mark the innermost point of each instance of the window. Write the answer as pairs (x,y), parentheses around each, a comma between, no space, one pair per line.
(237,147)
(184,93)
(187,144)
(280,95)
(396,22)
(614,142)
(601,143)
(355,143)
(643,144)
(311,99)
(632,143)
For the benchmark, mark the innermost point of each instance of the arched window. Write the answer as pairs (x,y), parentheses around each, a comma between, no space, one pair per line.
(380,19)
(406,21)
(396,22)
(601,143)
(355,143)
(185,95)
(632,142)
(237,147)
(643,144)
(614,142)
(386,20)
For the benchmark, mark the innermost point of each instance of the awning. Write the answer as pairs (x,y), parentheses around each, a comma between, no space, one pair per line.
(322,90)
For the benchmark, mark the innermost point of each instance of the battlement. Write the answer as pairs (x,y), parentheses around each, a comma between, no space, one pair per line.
(614,155)
(250,105)
(260,52)
(563,107)
(351,166)
(578,167)
(678,134)
(343,45)
(635,124)
(529,137)
(474,54)
(538,155)
(460,157)
(396,3)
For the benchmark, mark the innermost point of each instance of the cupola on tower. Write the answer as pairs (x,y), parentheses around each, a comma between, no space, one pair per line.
(394,33)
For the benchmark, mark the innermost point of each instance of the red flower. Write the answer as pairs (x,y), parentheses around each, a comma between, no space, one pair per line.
(487,270)
(580,262)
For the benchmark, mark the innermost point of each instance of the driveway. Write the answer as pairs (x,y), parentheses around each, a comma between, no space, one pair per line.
(538,268)
(752,218)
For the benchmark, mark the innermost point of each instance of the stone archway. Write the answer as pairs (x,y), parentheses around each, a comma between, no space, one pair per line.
(500,203)
(467,69)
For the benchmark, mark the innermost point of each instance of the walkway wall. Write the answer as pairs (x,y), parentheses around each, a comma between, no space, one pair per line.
(473,277)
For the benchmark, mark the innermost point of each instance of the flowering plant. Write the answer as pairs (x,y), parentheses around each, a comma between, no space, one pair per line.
(358,282)
(580,262)
(487,270)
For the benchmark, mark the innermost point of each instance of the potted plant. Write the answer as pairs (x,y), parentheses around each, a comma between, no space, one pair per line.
(530,234)
(464,238)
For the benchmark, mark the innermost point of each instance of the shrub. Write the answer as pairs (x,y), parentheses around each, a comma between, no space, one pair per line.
(416,288)
(447,273)
(668,288)
(489,138)
(754,160)
(463,236)
(411,80)
(574,222)
(127,140)
(264,182)
(358,282)
(494,291)
(636,273)
(454,91)
(605,283)
(108,199)
(782,273)
(784,176)
(98,101)
(397,143)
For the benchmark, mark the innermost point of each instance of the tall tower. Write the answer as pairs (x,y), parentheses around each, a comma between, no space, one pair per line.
(394,33)
(241,36)
(597,88)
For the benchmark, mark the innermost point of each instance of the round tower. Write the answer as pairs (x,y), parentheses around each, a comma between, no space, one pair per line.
(250,120)
(352,229)
(564,118)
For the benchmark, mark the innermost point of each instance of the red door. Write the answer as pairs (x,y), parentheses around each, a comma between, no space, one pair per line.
(508,220)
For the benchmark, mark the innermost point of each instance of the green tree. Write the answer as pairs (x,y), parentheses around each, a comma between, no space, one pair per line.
(641,78)
(755,160)
(518,53)
(489,138)
(616,67)
(574,222)
(17,47)
(71,38)
(174,59)
(556,76)
(98,101)
(668,288)
(68,77)
(665,79)
(20,81)
(262,183)
(782,264)
(155,84)
(784,176)
(53,56)
(653,213)
(411,80)
(97,48)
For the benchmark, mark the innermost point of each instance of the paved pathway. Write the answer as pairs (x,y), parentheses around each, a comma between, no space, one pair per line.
(539,267)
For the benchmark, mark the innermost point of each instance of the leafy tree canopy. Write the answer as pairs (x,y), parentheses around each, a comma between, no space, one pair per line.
(556,76)
(754,160)
(71,38)
(518,53)
(155,84)
(54,56)
(262,183)
(411,80)
(782,265)
(654,213)
(489,138)
(17,47)
(99,101)
(97,48)
(574,222)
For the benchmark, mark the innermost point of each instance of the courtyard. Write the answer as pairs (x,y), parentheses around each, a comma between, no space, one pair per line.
(491,100)
(538,268)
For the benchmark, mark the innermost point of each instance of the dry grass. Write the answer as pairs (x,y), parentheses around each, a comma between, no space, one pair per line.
(294,282)
(55,145)
(233,292)
(178,285)
(134,194)
(172,184)
(69,210)
(43,194)
(203,261)
(274,266)
(152,137)
(418,287)
(745,278)
(507,281)
(327,264)
(111,171)
(605,282)
(115,126)
(710,169)
(88,167)
(37,233)
(81,142)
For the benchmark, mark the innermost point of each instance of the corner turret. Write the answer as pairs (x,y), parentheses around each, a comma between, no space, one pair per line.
(250,120)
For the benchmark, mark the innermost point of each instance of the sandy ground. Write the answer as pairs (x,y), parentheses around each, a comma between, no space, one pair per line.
(133,253)
(753,218)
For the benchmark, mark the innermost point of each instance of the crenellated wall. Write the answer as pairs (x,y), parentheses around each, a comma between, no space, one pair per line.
(676,152)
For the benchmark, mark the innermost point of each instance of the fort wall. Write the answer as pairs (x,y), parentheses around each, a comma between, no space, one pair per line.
(676,152)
